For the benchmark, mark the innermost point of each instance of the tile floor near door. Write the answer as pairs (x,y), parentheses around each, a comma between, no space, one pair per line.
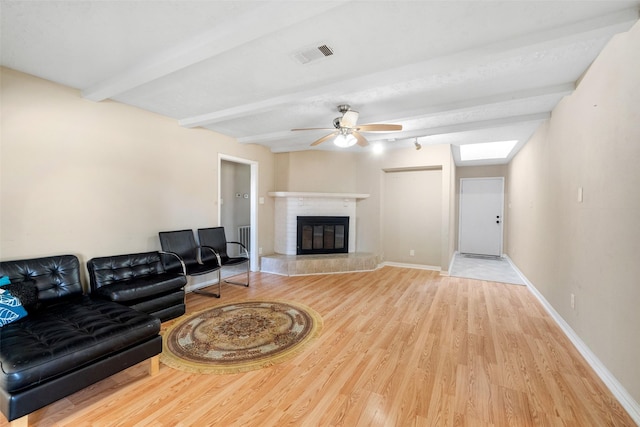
(494,269)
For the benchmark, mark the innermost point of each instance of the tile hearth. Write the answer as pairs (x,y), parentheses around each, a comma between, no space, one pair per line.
(297,265)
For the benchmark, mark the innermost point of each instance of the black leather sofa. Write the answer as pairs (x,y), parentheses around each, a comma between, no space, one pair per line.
(68,340)
(140,281)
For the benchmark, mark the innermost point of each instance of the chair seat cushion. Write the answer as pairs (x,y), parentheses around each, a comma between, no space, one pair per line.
(67,336)
(198,269)
(142,287)
(235,261)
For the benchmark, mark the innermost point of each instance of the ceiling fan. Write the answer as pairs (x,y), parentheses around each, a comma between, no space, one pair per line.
(347,131)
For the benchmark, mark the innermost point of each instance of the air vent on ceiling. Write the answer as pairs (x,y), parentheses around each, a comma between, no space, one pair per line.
(313,54)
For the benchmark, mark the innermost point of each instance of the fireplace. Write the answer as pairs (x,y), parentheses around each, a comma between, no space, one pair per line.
(290,205)
(322,235)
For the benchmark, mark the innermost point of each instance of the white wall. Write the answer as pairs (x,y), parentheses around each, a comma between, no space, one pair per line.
(590,249)
(97,179)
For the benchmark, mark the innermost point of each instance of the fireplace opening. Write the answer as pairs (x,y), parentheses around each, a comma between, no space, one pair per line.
(323,235)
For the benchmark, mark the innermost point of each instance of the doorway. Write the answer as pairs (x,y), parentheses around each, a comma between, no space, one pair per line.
(481,216)
(237,206)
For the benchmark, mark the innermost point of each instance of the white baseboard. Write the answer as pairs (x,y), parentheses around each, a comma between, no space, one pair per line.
(617,389)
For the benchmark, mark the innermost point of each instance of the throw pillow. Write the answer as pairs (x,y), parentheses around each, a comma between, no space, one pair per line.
(4,280)
(26,292)
(10,308)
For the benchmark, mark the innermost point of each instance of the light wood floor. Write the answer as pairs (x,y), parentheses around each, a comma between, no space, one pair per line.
(400,347)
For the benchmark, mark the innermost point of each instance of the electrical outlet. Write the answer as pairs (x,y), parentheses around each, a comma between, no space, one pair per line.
(573,301)
(412,252)
(259,251)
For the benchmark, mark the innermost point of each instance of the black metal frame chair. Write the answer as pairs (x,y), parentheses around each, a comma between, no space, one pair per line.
(195,260)
(215,238)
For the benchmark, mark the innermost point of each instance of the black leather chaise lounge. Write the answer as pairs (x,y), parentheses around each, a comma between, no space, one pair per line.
(68,340)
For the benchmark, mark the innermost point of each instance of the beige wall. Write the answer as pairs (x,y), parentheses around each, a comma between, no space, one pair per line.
(357,172)
(370,180)
(317,171)
(590,249)
(412,217)
(96,179)
(430,156)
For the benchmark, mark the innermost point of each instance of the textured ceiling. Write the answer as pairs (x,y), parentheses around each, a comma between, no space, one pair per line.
(450,72)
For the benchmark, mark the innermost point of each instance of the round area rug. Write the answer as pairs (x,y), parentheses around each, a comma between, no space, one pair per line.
(240,336)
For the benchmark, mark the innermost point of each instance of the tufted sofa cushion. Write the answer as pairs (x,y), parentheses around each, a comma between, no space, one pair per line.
(112,269)
(56,277)
(124,278)
(139,281)
(141,287)
(67,336)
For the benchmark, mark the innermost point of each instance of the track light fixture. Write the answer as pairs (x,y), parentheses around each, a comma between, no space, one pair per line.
(417,144)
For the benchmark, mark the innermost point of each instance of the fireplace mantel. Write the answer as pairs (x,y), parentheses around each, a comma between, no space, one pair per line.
(289,205)
(303,194)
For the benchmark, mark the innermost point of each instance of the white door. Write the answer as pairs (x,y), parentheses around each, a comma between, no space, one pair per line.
(481,211)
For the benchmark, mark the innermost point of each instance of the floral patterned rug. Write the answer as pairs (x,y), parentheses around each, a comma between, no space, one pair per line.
(240,336)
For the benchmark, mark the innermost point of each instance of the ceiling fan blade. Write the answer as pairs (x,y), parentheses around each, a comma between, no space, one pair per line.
(312,129)
(324,138)
(379,127)
(349,119)
(362,141)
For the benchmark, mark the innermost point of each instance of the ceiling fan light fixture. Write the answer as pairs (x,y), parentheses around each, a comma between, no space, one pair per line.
(345,141)
(348,132)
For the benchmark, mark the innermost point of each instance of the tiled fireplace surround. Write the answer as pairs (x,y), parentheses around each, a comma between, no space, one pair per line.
(290,205)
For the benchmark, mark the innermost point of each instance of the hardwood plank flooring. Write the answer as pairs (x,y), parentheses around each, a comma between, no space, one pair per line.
(399,347)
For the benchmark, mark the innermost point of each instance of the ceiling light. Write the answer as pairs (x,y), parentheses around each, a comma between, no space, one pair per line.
(344,141)
(378,148)
(486,150)
(417,144)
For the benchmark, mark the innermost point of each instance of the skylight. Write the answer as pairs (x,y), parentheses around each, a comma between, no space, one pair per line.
(486,150)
